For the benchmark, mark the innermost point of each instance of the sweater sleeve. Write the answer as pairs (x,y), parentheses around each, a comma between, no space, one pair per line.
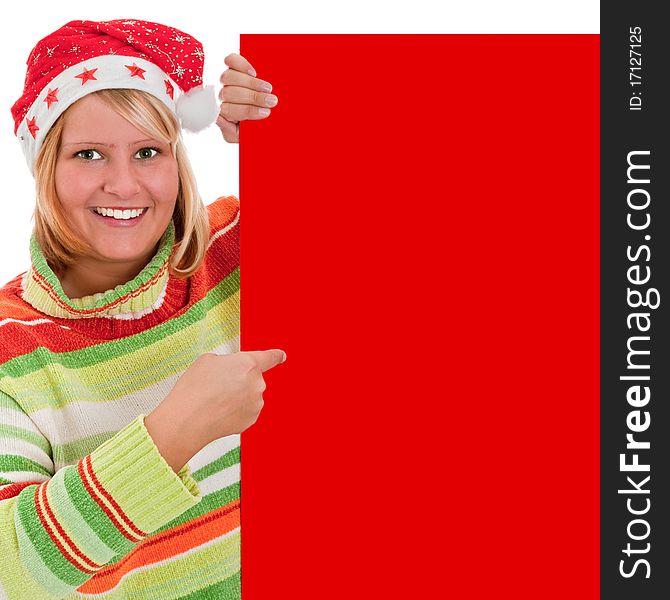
(57,529)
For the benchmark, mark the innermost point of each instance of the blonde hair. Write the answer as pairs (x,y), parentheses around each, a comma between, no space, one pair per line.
(61,245)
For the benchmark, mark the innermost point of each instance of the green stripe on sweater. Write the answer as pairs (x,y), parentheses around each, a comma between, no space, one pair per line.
(41,542)
(27,436)
(76,359)
(227,460)
(93,515)
(67,454)
(10,462)
(210,568)
(208,503)
(229,589)
(128,373)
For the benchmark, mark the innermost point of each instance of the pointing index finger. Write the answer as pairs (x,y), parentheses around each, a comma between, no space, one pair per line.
(267,359)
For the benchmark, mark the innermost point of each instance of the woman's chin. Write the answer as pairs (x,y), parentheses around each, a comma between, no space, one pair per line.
(115,255)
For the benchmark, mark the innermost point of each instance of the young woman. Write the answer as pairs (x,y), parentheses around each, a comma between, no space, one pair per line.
(122,388)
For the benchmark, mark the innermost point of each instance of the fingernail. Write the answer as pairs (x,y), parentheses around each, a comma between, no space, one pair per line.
(283,359)
(271,100)
(264,112)
(266,87)
(252,72)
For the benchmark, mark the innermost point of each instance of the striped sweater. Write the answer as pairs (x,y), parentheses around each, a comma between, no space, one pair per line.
(88,506)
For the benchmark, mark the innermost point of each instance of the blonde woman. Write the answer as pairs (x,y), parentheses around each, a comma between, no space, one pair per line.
(122,388)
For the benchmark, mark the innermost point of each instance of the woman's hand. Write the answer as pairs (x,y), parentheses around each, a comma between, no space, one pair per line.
(244,97)
(217,396)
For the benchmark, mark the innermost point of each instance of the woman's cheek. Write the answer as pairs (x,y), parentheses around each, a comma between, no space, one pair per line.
(74,183)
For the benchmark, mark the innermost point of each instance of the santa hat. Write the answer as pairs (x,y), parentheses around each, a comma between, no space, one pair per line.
(85,56)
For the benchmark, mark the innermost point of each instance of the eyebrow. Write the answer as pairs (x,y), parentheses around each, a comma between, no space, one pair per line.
(110,145)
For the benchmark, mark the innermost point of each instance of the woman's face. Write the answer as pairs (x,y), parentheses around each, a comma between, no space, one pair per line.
(105,162)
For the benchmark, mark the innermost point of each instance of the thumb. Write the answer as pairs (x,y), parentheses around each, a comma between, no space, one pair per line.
(266,359)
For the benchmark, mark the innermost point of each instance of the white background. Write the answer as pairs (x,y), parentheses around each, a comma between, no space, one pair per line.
(218,26)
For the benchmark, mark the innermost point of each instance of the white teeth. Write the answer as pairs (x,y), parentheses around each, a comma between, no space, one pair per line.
(119,214)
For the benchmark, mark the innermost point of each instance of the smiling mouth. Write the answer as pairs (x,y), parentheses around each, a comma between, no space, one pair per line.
(120,219)
(127,214)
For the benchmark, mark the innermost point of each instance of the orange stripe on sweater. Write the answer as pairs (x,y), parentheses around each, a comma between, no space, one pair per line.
(165,545)
(222,212)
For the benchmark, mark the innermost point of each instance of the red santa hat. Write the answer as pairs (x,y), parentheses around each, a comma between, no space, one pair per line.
(85,56)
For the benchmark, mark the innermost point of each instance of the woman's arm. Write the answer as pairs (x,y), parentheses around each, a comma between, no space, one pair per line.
(57,529)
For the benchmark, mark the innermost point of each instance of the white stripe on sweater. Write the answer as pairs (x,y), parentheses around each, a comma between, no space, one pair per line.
(21,476)
(113,415)
(213,451)
(11,445)
(219,480)
(33,322)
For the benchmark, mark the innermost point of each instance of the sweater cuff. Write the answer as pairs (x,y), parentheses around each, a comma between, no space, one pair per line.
(137,480)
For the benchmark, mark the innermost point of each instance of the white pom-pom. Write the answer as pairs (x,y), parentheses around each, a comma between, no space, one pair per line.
(197,108)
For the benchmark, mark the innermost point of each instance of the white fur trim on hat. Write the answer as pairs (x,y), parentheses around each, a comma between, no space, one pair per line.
(197,108)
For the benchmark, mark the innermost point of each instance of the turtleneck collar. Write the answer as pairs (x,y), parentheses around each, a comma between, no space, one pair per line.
(133,299)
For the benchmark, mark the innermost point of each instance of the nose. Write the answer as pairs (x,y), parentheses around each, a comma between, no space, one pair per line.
(121,179)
